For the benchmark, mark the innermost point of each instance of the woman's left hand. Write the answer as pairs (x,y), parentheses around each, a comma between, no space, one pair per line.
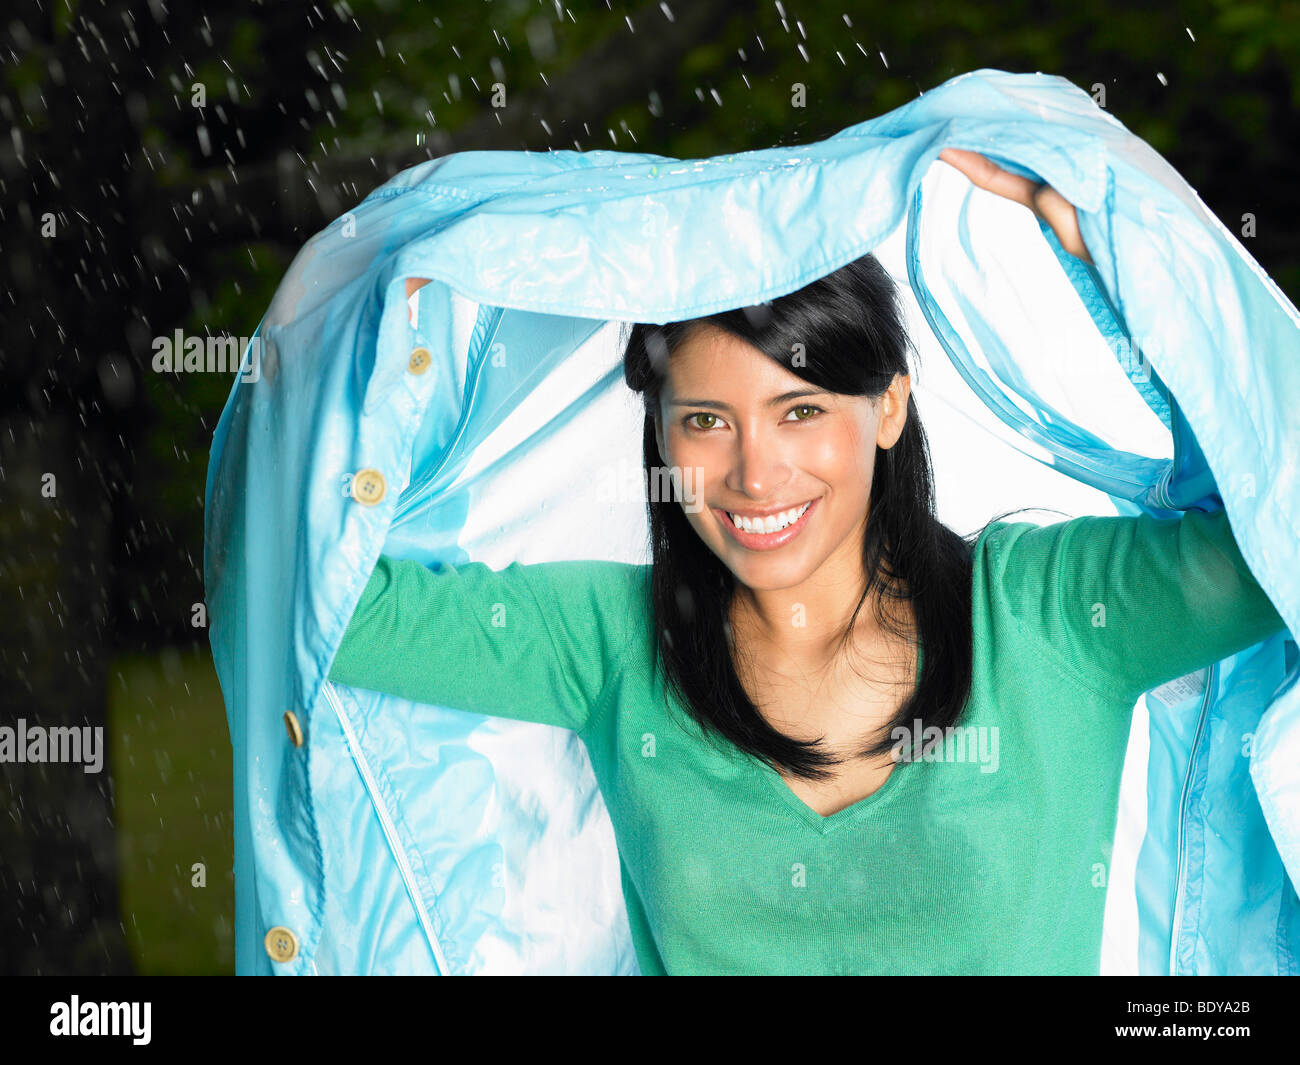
(1042,199)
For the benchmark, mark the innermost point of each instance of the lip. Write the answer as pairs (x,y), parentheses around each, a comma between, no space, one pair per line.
(766,541)
(770,510)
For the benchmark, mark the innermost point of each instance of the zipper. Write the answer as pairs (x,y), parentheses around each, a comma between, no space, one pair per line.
(414,491)
(386,821)
(1180,864)
(1162,498)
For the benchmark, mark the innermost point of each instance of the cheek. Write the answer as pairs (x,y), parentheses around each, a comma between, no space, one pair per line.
(839,454)
(676,448)
(698,462)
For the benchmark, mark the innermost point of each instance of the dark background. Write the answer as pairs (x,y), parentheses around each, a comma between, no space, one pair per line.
(132,206)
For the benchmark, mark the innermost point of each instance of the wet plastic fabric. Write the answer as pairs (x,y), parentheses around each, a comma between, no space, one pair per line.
(381,842)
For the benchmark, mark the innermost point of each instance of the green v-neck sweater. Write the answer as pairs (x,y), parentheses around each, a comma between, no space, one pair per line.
(991,854)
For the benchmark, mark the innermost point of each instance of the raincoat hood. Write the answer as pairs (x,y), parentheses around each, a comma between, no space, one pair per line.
(486,419)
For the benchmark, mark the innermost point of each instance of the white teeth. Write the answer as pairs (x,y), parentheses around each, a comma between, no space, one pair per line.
(770,524)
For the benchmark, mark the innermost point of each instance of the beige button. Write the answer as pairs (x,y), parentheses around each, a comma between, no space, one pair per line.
(368,487)
(281,944)
(420,359)
(295,729)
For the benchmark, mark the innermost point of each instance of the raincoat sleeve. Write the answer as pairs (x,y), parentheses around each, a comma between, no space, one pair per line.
(1129,603)
(530,642)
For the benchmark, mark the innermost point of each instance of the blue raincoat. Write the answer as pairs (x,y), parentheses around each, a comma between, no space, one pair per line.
(485,419)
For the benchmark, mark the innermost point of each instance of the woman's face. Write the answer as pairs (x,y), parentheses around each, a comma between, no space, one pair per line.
(756,438)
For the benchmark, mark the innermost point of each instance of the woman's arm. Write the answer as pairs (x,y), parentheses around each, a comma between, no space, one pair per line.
(1131,603)
(530,642)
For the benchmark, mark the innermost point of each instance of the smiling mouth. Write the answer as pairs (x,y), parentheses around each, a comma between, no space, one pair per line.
(784,527)
(772,523)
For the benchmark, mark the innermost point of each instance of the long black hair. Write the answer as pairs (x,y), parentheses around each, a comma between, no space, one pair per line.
(848,328)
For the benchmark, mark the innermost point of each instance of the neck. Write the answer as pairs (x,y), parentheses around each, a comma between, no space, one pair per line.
(804,623)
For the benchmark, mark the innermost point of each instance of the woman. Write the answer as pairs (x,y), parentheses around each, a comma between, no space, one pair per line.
(849,741)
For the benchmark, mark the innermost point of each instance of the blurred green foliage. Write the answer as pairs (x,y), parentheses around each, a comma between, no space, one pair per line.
(169,749)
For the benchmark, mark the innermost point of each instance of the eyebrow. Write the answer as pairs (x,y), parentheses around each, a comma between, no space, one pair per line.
(784,397)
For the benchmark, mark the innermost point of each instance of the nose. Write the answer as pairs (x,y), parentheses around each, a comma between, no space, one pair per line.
(761,467)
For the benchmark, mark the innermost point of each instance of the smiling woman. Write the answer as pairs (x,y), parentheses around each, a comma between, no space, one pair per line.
(808,405)
(478,727)
(757,734)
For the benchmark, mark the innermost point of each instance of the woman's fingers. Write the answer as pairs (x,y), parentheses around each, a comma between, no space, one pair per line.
(1043,200)
(1059,213)
(985,173)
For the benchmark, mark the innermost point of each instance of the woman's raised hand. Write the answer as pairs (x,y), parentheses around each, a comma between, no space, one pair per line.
(1042,199)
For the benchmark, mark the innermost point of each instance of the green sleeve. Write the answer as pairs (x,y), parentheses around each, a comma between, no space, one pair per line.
(530,642)
(1129,603)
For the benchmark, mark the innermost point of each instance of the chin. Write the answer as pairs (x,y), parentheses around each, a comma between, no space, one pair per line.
(770,574)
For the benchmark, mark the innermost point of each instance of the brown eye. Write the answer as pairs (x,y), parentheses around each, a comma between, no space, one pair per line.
(702,414)
(813,411)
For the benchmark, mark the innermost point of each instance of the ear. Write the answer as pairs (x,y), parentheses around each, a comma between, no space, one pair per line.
(892,408)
